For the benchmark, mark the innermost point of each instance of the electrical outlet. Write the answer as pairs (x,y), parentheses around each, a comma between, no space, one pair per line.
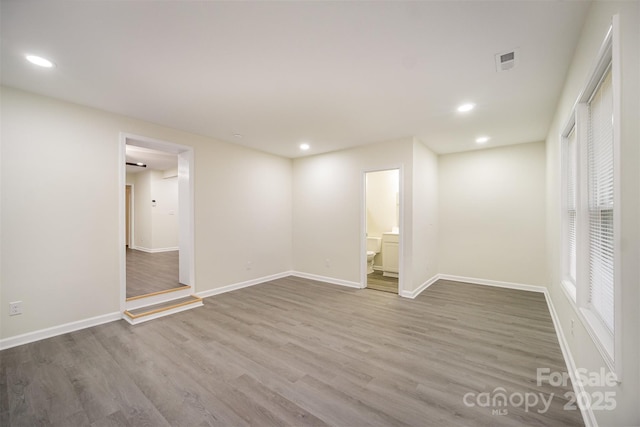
(327,263)
(15,308)
(249,266)
(572,326)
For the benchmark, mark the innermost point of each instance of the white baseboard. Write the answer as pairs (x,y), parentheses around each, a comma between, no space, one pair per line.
(58,330)
(326,279)
(473,281)
(497,283)
(418,291)
(98,320)
(253,282)
(246,284)
(587,413)
(155,250)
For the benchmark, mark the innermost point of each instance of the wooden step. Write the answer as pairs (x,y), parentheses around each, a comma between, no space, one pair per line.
(144,314)
(166,291)
(157,298)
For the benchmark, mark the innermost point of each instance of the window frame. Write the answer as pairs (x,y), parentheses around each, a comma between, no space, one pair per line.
(608,342)
(567,280)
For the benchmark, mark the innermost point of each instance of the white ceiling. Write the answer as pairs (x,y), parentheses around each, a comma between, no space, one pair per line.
(334,74)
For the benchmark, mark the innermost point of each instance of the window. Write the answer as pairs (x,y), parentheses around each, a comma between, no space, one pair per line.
(600,173)
(590,213)
(569,160)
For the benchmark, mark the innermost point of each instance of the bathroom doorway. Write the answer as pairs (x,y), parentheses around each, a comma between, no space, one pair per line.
(156,218)
(382,230)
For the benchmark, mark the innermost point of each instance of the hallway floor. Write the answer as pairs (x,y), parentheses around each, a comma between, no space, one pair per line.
(378,282)
(151,272)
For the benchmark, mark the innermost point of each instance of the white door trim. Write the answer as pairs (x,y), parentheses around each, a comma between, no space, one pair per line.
(185,206)
(132,216)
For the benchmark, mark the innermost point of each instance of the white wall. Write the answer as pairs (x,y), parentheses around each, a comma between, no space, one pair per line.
(382,190)
(425,214)
(582,347)
(328,204)
(328,207)
(492,214)
(142,222)
(155,228)
(243,214)
(60,226)
(165,212)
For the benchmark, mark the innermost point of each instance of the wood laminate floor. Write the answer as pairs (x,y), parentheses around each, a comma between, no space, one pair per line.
(377,281)
(151,272)
(295,352)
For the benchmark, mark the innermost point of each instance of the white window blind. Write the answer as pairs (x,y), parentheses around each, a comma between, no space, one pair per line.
(570,165)
(601,201)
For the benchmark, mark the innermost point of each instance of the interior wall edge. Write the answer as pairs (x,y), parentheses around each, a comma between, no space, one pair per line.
(413,294)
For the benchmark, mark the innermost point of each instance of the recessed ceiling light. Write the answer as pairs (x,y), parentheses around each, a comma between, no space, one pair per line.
(466,107)
(304,146)
(39,61)
(482,139)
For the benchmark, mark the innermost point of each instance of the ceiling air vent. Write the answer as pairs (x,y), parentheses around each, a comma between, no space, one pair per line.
(506,61)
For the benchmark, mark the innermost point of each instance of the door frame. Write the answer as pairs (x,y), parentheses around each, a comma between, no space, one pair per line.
(186,174)
(363,226)
(131,214)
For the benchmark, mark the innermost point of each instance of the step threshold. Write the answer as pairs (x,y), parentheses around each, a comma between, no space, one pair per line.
(164,308)
(181,287)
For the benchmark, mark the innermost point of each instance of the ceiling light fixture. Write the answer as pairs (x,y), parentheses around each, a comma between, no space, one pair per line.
(39,61)
(466,107)
(139,164)
(237,135)
(304,146)
(482,139)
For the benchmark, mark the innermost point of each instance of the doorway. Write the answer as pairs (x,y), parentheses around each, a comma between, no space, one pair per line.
(382,231)
(155,259)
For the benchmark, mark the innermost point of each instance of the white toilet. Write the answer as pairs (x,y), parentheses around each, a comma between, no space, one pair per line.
(373,247)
